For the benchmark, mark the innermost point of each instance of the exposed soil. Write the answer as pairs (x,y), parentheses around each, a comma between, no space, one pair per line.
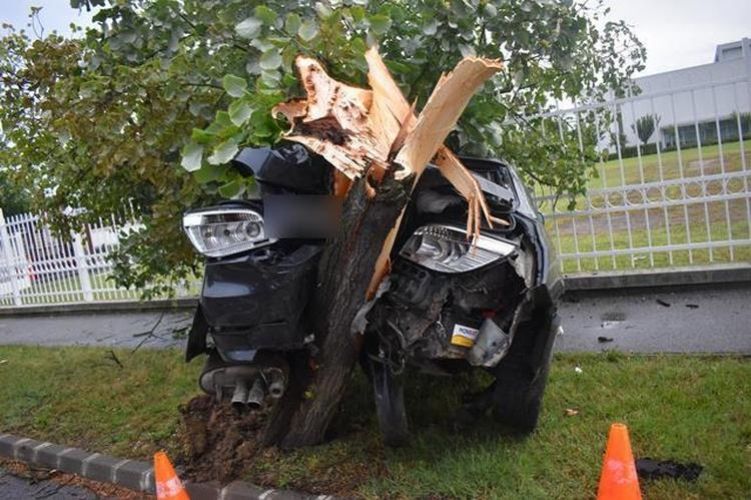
(221,445)
(218,440)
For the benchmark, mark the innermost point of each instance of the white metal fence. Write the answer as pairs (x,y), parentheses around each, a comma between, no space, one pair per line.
(681,199)
(39,267)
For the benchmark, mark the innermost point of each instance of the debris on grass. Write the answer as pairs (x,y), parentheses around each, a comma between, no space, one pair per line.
(648,468)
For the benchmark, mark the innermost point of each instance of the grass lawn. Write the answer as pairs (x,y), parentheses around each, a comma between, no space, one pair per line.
(715,221)
(682,408)
(674,165)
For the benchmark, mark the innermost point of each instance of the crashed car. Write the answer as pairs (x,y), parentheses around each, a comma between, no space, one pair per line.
(448,305)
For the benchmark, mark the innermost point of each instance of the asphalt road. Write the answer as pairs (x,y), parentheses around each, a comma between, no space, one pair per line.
(707,319)
(119,329)
(19,489)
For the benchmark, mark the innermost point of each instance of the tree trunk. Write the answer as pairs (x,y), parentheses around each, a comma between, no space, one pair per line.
(302,416)
(367,135)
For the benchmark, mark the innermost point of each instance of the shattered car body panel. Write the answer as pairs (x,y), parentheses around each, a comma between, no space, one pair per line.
(431,316)
(447,306)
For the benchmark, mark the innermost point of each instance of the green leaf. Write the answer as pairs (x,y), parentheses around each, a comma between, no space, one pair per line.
(232,189)
(239,112)
(308,30)
(265,14)
(223,153)
(292,23)
(234,85)
(201,136)
(271,59)
(209,173)
(249,28)
(192,155)
(380,23)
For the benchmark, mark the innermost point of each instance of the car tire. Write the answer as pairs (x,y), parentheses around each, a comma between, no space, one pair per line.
(517,396)
(388,390)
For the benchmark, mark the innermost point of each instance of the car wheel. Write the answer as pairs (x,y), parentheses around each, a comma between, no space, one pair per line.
(517,396)
(389,399)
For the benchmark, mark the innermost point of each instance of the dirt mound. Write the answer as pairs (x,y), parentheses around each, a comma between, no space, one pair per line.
(218,441)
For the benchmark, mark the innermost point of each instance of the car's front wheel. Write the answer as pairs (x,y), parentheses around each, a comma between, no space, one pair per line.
(520,385)
(517,398)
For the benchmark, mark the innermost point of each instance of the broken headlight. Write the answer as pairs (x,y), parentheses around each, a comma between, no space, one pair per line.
(225,231)
(447,250)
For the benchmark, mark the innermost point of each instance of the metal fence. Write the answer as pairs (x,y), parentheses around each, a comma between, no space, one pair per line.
(38,266)
(680,199)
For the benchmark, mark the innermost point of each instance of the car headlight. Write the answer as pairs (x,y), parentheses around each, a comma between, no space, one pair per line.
(220,232)
(447,250)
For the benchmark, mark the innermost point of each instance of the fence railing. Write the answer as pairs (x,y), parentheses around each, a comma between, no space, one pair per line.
(38,266)
(681,199)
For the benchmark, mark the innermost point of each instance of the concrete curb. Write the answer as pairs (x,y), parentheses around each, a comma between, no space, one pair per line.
(101,307)
(132,474)
(686,276)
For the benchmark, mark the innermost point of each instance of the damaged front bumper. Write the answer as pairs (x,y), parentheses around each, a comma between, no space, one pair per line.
(432,319)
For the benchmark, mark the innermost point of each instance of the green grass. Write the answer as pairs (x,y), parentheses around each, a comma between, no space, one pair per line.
(674,165)
(682,408)
(666,225)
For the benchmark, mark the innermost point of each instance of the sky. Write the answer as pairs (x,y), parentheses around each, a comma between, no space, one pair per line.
(676,33)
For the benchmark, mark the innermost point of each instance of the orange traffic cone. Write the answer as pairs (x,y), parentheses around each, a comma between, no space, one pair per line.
(618,480)
(168,485)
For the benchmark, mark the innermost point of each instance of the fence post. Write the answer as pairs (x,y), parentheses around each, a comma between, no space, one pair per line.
(82,267)
(10,260)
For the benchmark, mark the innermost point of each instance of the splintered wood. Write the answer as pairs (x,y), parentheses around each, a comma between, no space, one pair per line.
(372,132)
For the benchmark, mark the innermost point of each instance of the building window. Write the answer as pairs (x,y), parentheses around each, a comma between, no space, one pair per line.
(732,53)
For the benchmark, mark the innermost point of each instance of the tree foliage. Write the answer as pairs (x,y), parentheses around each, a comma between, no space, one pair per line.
(151,102)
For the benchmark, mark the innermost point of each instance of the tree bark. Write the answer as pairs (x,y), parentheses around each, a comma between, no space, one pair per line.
(344,273)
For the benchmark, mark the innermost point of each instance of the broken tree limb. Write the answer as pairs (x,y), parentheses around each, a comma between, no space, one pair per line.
(383,84)
(440,114)
(342,123)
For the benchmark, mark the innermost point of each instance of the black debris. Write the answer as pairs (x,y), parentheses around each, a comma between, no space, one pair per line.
(663,303)
(602,340)
(648,468)
(692,306)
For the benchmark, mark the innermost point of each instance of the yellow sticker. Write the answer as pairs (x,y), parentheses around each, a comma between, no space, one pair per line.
(464,336)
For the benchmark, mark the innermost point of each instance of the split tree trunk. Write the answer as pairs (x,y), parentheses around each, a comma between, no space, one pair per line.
(360,132)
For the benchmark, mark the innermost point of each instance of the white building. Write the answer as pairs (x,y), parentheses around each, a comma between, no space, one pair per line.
(700,97)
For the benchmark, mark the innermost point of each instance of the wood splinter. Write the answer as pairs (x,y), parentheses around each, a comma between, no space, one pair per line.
(369,132)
